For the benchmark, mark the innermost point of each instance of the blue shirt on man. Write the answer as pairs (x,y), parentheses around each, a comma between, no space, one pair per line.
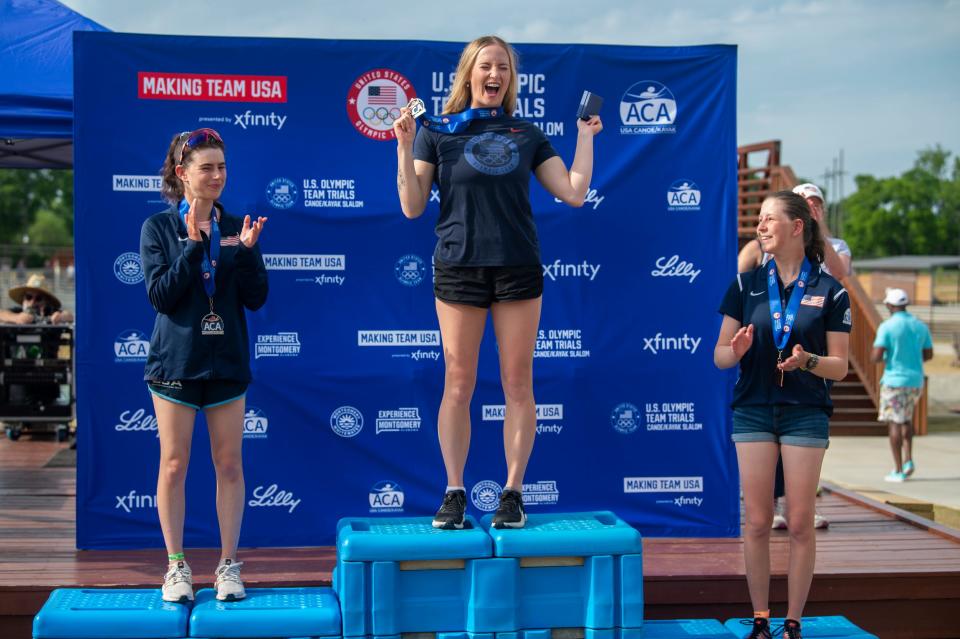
(903,337)
(825,307)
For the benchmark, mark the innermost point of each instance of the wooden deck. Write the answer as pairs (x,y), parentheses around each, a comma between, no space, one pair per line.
(890,572)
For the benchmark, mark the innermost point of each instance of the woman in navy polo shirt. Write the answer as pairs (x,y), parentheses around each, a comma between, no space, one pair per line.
(202,268)
(487,254)
(787,323)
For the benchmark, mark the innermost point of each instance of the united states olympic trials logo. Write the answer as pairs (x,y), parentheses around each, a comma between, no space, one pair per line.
(282,193)
(410,270)
(374,101)
(486,495)
(346,421)
(492,154)
(625,418)
(128,268)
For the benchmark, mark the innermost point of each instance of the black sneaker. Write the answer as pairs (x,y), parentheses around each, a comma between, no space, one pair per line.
(510,514)
(450,515)
(791,629)
(761,628)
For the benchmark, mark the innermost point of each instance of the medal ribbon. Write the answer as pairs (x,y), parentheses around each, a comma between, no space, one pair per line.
(783,323)
(457,122)
(209,264)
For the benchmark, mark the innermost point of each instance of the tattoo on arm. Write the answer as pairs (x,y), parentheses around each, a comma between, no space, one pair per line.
(401,181)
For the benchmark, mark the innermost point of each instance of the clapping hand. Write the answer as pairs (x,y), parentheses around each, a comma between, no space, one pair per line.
(795,361)
(742,341)
(251,232)
(193,231)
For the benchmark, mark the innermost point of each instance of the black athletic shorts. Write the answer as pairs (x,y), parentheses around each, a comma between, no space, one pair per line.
(199,393)
(483,285)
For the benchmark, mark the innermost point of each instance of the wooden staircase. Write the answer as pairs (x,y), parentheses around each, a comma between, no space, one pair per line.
(856,398)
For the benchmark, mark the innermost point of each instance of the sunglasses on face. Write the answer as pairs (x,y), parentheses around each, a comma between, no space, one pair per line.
(30,297)
(192,139)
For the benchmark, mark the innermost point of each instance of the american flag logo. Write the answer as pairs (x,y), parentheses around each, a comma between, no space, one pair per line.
(812,300)
(232,240)
(382,94)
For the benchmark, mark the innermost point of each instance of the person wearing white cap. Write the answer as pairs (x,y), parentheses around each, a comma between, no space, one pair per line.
(903,344)
(35,304)
(837,254)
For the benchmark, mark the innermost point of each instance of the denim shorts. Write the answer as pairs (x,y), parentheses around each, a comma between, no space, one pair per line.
(788,425)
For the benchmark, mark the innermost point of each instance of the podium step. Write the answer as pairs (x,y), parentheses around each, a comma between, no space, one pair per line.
(86,613)
(267,612)
(835,627)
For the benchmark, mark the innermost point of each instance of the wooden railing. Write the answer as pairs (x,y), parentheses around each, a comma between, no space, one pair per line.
(757,182)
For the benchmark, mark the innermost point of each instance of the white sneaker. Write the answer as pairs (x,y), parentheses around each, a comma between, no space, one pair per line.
(178,583)
(228,584)
(779,516)
(895,477)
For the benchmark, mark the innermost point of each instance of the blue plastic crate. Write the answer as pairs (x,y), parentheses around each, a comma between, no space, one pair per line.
(267,612)
(573,570)
(87,613)
(678,629)
(833,627)
(400,574)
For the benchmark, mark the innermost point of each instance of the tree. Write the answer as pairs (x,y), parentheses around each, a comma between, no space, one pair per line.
(23,193)
(917,213)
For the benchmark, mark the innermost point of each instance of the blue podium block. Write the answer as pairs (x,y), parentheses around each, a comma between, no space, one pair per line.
(267,612)
(86,613)
(833,627)
(399,574)
(685,629)
(574,570)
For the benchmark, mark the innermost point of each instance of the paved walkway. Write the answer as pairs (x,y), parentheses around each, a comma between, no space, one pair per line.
(860,463)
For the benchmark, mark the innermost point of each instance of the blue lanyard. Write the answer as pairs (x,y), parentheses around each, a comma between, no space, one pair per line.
(209,264)
(783,324)
(457,122)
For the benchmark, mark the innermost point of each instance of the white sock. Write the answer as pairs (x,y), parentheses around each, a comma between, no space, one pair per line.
(452,488)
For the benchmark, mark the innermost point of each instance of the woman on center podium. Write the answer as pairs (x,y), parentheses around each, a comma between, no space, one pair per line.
(787,323)
(487,257)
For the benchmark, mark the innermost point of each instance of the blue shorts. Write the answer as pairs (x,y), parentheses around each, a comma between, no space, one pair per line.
(787,425)
(199,393)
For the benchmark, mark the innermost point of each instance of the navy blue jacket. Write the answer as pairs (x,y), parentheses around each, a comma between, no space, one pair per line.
(172,272)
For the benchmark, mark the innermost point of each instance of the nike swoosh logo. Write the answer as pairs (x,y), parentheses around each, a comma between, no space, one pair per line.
(183,239)
(752,294)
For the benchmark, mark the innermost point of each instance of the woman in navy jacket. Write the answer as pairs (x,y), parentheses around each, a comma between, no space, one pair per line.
(202,268)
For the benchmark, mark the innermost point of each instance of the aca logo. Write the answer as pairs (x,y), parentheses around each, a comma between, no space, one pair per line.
(486,495)
(625,418)
(282,193)
(386,497)
(128,268)
(374,101)
(648,107)
(410,270)
(255,424)
(346,421)
(683,195)
(131,346)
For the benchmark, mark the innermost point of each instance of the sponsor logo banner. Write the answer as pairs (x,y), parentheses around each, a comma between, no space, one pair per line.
(138,183)
(128,268)
(541,493)
(255,423)
(486,495)
(675,267)
(386,497)
(272,497)
(284,344)
(135,501)
(658,343)
(346,421)
(663,484)
(398,420)
(138,420)
(671,416)
(131,346)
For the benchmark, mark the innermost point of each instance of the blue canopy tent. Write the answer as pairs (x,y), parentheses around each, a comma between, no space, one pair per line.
(36,84)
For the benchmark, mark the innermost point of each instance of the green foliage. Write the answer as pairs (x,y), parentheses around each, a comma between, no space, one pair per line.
(917,213)
(49,229)
(24,194)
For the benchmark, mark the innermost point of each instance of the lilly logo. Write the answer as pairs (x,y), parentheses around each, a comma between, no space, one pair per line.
(648,107)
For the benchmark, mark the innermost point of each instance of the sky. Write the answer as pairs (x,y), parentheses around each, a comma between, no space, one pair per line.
(877,79)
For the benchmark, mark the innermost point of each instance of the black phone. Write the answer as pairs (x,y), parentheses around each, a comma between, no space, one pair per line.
(589,105)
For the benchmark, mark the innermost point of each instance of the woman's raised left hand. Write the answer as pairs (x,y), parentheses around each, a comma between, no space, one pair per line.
(251,232)
(797,359)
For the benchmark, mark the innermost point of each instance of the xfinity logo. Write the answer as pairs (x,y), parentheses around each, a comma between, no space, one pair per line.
(244,120)
(133,500)
(675,267)
(559,269)
(688,501)
(659,343)
(272,496)
(419,355)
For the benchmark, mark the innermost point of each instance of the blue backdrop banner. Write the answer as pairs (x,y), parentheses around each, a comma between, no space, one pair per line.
(346,354)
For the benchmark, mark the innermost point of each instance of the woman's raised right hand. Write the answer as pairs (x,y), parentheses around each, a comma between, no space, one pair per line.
(193,231)
(405,128)
(742,341)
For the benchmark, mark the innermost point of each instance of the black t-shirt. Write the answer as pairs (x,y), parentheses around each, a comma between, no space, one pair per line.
(825,307)
(484,179)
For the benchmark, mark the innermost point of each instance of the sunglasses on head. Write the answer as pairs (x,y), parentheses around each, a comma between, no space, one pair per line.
(192,139)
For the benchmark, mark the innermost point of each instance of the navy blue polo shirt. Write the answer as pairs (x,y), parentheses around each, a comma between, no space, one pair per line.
(825,307)
(484,178)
